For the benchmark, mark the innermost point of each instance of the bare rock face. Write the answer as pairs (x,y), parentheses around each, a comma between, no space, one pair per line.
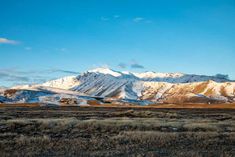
(68,101)
(9,92)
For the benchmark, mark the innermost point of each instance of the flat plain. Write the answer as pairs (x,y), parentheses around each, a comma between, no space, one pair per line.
(116,131)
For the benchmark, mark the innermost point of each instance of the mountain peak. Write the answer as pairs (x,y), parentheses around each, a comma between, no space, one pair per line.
(104,70)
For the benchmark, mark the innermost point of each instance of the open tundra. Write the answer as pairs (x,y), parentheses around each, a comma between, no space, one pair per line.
(105,85)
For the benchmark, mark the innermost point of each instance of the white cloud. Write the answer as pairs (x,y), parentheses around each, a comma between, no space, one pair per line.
(7,41)
(138,19)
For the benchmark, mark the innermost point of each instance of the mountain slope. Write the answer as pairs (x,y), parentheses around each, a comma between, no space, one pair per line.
(150,87)
(142,86)
(203,92)
(62,83)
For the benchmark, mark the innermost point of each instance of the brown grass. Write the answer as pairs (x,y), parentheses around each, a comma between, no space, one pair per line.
(215,106)
(21,105)
(116,131)
(173,106)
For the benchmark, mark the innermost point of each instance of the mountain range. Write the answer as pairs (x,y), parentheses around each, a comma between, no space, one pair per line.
(104,85)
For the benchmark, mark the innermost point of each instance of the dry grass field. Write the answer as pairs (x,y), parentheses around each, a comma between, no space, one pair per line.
(116,131)
(170,106)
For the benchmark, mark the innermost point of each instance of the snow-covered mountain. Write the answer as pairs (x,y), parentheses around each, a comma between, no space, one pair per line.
(156,87)
(148,86)
(160,77)
(63,83)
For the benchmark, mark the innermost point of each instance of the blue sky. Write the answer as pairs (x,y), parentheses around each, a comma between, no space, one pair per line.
(46,39)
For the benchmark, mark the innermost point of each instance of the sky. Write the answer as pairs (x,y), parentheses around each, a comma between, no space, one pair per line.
(47,39)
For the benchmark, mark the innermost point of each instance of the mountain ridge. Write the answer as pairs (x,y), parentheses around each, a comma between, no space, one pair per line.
(149,87)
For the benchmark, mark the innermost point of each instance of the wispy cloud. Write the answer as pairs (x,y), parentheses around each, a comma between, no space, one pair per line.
(141,20)
(138,19)
(137,66)
(12,77)
(16,76)
(64,71)
(134,19)
(28,48)
(109,18)
(132,64)
(122,65)
(8,41)
(62,50)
